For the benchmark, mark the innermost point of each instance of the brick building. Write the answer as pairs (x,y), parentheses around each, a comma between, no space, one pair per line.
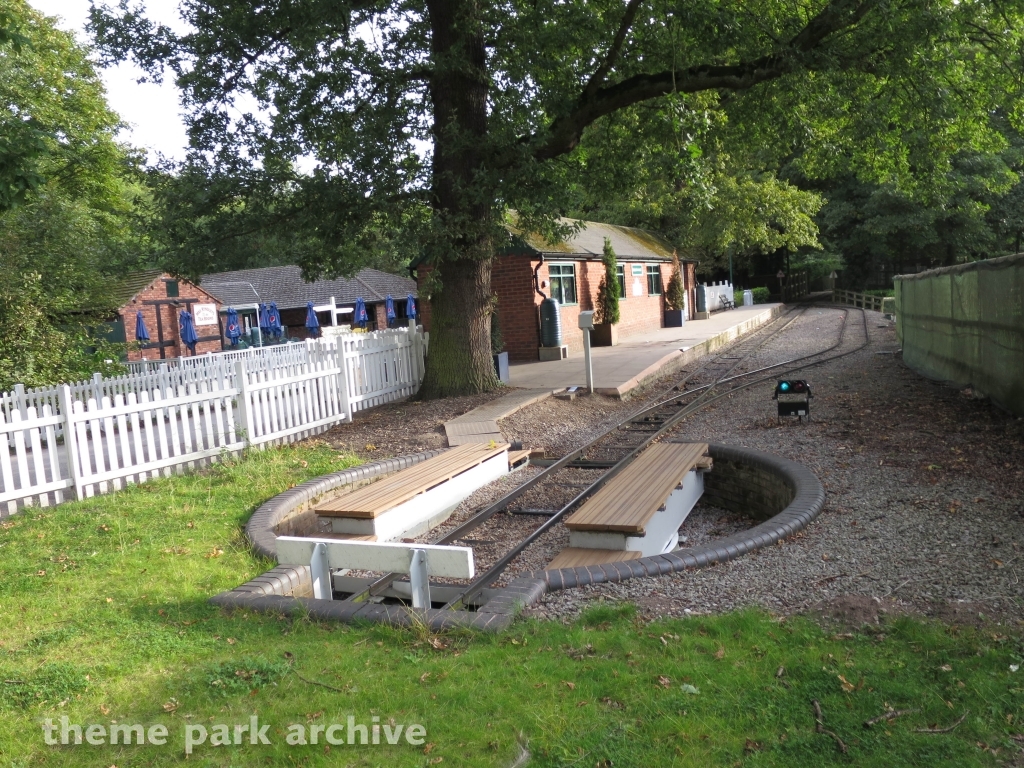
(530,269)
(161,297)
(245,288)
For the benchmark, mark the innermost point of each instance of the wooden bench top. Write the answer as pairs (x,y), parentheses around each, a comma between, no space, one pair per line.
(574,557)
(630,499)
(378,497)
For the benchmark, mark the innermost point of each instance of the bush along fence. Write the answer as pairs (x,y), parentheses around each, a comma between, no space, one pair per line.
(79,440)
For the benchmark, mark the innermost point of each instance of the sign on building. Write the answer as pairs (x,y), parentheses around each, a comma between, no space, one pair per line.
(205,314)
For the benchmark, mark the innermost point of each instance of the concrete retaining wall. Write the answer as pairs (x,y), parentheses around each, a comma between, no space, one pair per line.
(965,324)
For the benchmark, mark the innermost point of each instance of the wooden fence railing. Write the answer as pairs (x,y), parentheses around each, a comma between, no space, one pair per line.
(92,437)
(863,300)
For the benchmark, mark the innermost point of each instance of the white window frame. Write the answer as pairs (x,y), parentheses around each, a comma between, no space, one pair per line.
(551,282)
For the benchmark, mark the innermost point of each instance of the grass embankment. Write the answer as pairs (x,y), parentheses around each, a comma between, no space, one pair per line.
(104,617)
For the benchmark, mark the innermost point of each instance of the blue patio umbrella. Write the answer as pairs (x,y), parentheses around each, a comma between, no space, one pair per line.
(360,315)
(264,320)
(312,323)
(141,334)
(410,307)
(274,318)
(233,329)
(389,309)
(187,327)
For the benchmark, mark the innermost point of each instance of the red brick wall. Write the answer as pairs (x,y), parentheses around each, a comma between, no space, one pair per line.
(519,304)
(169,316)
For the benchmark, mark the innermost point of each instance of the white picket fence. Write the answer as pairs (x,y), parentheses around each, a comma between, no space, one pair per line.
(78,440)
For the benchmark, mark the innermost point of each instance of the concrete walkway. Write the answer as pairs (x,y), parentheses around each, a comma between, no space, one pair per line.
(481,424)
(636,359)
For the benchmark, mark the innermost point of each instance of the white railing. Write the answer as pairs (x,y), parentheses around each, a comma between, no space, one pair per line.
(96,436)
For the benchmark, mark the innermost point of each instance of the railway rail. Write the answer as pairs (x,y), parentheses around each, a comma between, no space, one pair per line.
(613,450)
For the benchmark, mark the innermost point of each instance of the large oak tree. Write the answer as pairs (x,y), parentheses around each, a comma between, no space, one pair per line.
(423,122)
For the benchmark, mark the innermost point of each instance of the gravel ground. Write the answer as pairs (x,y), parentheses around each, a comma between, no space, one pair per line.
(924,509)
(408,426)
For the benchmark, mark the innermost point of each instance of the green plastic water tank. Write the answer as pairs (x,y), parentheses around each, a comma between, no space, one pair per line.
(550,323)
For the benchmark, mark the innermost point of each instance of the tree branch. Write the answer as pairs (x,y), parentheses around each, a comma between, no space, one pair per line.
(613,52)
(565,132)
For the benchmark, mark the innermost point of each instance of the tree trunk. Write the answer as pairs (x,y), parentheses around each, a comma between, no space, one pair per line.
(460,340)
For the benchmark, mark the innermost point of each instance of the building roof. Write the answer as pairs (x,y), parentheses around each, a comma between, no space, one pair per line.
(133,284)
(588,242)
(285,286)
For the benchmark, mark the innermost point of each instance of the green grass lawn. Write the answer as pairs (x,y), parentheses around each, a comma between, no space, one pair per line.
(104,617)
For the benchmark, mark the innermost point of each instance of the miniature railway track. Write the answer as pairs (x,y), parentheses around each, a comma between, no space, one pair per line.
(611,451)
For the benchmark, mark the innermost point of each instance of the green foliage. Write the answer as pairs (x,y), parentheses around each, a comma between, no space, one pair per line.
(69,233)
(244,675)
(761,296)
(47,686)
(971,210)
(689,112)
(607,309)
(675,296)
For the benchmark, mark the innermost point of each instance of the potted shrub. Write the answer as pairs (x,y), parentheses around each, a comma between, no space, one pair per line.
(675,297)
(606,313)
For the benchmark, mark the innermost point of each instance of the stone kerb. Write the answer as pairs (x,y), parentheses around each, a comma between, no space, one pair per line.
(786,495)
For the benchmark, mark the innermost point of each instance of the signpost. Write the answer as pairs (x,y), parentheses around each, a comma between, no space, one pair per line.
(586,324)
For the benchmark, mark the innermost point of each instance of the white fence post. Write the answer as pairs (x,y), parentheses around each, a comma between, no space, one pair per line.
(71,440)
(245,422)
(339,352)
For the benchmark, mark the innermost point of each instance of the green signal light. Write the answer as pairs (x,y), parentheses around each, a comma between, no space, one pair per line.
(784,386)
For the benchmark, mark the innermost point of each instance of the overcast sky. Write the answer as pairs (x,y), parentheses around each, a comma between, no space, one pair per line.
(152,111)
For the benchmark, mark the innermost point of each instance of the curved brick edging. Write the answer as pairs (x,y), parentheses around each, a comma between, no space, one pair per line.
(743,479)
(786,493)
(260,530)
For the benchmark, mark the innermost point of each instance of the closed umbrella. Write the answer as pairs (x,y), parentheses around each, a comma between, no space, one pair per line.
(187,327)
(410,307)
(312,323)
(389,309)
(141,334)
(234,329)
(274,318)
(360,314)
(264,320)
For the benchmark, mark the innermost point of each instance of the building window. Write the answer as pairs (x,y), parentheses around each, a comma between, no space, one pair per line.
(654,279)
(563,282)
(620,272)
(172,288)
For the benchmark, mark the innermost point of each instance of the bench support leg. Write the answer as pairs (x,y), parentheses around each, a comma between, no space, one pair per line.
(418,580)
(320,571)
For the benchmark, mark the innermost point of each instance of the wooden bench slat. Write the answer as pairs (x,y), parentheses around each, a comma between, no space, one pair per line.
(574,557)
(376,498)
(628,502)
(516,456)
